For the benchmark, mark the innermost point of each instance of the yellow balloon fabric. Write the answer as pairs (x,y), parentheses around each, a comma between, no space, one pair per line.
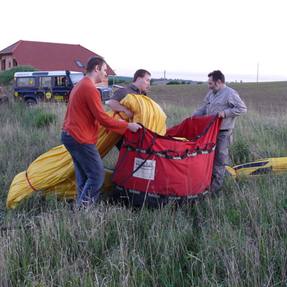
(53,171)
(146,112)
(259,167)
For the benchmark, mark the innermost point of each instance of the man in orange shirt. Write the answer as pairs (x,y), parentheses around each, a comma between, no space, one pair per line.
(80,131)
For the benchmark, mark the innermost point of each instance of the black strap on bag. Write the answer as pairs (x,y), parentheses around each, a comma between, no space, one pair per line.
(212,121)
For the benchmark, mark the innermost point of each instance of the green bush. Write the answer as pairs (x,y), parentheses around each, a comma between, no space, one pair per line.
(174,82)
(38,118)
(178,82)
(44,119)
(240,152)
(7,76)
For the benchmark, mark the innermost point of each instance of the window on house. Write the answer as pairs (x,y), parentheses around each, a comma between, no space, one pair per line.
(3,65)
(79,64)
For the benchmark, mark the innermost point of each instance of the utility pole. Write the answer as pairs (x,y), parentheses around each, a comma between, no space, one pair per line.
(257,77)
(164,74)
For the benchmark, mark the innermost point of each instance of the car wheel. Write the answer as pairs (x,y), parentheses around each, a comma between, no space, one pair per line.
(30,102)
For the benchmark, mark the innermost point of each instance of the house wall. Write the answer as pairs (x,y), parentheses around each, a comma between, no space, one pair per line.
(6,62)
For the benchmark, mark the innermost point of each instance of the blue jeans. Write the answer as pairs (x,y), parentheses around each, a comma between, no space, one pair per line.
(89,169)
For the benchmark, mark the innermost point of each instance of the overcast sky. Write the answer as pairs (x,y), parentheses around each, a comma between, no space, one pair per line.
(186,38)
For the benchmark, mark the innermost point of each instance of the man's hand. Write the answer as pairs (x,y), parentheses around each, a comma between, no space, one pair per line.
(221,115)
(134,127)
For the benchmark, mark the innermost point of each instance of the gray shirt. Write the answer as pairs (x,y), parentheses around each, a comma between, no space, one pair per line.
(122,92)
(226,100)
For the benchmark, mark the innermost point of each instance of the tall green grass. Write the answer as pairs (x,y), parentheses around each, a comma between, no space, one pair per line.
(235,238)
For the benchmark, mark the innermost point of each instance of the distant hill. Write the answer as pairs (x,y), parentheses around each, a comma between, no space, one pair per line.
(173,82)
(154,81)
(119,80)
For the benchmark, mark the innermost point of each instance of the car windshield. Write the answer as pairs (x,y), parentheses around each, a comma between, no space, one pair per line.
(75,78)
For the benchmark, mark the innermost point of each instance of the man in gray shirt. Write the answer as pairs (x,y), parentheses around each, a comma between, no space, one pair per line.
(139,86)
(226,104)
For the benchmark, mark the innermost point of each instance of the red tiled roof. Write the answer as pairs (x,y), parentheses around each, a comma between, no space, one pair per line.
(50,56)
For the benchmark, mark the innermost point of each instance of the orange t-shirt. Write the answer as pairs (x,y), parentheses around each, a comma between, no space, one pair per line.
(85,112)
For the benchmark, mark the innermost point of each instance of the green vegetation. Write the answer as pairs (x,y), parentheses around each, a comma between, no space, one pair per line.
(235,238)
(178,82)
(40,118)
(114,80)
(240,151)
(7,76)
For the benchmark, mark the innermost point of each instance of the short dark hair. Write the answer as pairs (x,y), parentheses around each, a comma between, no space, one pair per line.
(93,62)
(140,74)
(217,75)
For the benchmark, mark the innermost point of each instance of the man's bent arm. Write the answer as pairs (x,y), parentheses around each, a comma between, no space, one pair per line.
(236,106)
(117,107)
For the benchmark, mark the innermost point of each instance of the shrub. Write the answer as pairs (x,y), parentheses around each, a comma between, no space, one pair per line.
(174,82)
(7,76)
(38,118)
(240,152)
(44,119)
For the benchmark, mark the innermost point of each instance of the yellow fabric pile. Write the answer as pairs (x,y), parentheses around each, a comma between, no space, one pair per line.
(259,167)
(53,171)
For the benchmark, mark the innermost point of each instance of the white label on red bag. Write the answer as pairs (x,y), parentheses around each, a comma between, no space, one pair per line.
(147,169)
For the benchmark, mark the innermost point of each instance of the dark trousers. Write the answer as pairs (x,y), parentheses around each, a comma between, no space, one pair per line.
(89,169)
(221,159)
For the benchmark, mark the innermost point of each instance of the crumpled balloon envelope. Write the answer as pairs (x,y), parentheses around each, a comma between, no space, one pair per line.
(53,171)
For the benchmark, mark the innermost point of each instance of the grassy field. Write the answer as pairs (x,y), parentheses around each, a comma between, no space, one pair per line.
(236,238)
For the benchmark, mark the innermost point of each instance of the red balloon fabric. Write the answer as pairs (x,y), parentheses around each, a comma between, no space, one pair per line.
(175,166)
